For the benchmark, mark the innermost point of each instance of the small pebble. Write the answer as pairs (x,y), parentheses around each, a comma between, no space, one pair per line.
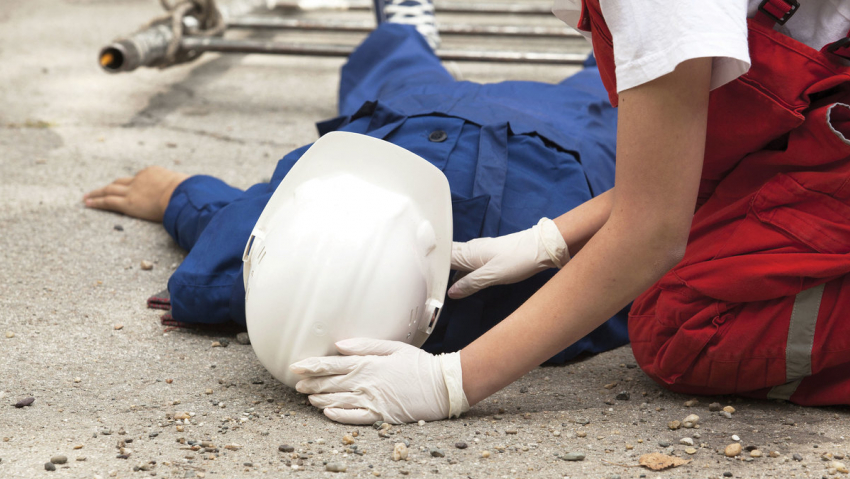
(623,396)
(24,402)
(573,456)
(690,450)
(10,334)
(523,389)
(146,265)
(48,466)
(727,474)
(347,439)
(733,450)
(399,452)
(665,443)
(437,453)
(336,467)
(421,422)
(285,448)
(797,457)
(729,409)
(727,414)
(691,402)
(514,431)
(774,454)
(118,327)
(674,425)
(714,407)
(485,454)
(59,459)
(81,458)
(686,441)
(755,453)
(690,421)
(461,445)
(118,228)
(735,437)
(77,379)
(581,434)
(838,456)
(839,466)
(377,424)
(242,338)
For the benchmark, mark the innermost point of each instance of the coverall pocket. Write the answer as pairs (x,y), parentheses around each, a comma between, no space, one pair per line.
(808,217)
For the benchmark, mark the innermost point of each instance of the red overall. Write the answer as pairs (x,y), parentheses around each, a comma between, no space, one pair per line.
(760,304)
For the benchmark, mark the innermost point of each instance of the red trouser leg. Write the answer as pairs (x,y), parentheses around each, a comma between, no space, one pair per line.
(760,305)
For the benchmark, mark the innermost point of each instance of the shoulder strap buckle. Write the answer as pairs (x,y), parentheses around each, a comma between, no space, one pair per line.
(779,10)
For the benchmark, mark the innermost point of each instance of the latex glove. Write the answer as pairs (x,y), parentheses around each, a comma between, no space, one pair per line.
(383,380)
(507,259)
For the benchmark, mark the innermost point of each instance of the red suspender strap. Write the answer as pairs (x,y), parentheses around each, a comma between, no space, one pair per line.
(776,11)
(840,48)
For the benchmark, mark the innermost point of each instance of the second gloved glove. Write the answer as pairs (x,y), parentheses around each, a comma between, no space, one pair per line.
(507,259)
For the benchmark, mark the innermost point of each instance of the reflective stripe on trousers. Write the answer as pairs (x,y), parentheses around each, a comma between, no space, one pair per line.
(801,337)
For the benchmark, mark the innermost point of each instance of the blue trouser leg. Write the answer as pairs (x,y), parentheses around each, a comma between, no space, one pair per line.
(392,57)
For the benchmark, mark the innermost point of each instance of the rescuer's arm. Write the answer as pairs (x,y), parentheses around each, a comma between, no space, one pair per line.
(661,138)
(660,147)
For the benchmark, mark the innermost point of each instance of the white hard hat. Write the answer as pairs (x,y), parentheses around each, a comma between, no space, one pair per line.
(355,242)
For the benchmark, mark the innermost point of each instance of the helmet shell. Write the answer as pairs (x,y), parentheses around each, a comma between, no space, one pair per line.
(355,242)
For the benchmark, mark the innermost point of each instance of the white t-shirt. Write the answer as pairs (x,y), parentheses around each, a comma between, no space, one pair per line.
(651,37)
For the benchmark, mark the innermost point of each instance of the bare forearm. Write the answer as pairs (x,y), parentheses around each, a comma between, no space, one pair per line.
(578,225)
(661,142)
(615,267)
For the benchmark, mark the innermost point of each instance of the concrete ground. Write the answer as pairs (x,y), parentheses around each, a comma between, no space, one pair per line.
(76,336)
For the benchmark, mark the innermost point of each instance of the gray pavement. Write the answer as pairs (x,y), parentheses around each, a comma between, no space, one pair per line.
(105,374)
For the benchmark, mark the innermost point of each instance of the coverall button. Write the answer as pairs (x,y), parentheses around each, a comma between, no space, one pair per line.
(438,136)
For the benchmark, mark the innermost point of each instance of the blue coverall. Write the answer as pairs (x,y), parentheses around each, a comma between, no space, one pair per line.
(513,152)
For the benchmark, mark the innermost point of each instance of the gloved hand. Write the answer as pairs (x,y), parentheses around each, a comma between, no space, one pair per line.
(507,259)
(383,380)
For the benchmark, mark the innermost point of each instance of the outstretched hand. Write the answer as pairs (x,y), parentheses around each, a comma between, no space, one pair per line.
(508,259)
(383,380)
(144,196)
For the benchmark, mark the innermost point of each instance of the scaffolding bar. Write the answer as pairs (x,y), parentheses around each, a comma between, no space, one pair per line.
(279,23)
(221,45)
(440,7)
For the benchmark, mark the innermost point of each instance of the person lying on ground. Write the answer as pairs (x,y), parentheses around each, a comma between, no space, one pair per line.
(513,153)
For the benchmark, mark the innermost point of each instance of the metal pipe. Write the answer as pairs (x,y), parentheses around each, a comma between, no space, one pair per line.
(148,48)
(457,8)
(145,48)
(199,45)
(279,23)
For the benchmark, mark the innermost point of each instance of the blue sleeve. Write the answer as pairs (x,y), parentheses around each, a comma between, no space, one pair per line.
(214,221)
(207,287)
(193,204)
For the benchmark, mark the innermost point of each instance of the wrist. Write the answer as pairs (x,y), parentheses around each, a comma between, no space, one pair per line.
(453,378)
(168,192)
(552,242)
